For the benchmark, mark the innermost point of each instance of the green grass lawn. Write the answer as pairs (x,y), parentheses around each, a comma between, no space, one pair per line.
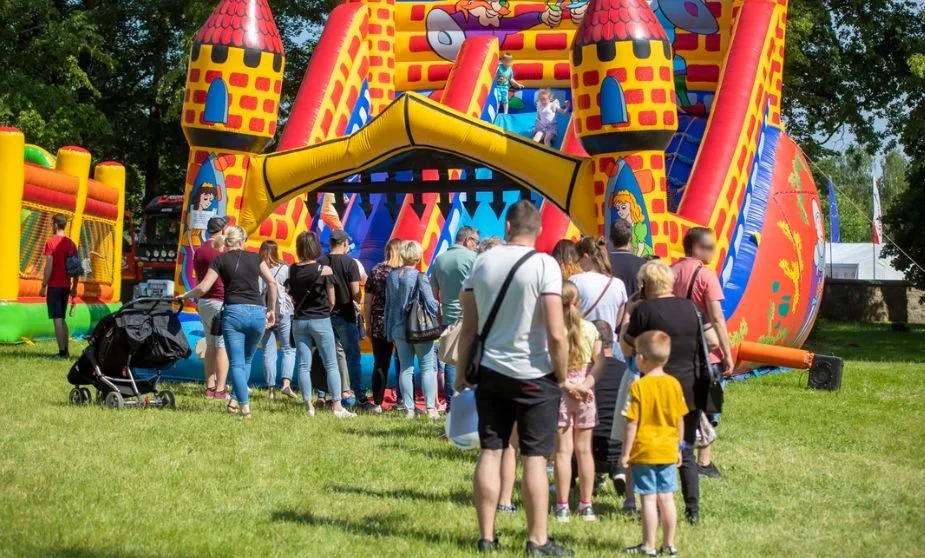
(806,473)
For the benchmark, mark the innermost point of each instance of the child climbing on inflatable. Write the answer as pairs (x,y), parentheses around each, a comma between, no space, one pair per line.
(546,108)
(577,410)
(504,79)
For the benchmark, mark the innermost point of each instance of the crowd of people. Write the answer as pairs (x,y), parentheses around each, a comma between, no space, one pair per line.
(591,356)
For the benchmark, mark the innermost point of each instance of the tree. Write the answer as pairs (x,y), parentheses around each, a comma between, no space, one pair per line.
(109,76)
(847,69)
(906,219)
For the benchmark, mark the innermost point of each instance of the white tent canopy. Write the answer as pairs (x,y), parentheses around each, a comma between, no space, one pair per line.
(857,261)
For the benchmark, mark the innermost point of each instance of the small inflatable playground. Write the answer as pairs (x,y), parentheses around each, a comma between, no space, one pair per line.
(674,122)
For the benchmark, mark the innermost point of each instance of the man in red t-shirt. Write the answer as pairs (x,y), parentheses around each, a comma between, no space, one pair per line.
(57,285)
(696,281)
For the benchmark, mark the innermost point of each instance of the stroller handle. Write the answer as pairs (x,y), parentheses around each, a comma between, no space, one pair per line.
(153,299)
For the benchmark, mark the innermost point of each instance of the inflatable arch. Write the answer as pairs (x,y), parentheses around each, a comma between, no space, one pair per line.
(395,132)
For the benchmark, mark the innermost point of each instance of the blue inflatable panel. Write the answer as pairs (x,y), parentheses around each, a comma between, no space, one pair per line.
(523,124)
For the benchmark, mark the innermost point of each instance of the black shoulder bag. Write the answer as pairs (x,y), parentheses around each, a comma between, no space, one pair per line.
(477,349)
(421,325)
(707,388)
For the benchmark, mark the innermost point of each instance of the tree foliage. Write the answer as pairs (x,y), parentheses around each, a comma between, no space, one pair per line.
(109,76)
(848,71)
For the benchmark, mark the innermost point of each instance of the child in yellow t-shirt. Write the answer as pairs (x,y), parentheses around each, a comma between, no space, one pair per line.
(652,445)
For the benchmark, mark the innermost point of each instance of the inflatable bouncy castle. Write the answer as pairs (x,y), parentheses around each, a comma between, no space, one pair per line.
(34,186)
(396,132)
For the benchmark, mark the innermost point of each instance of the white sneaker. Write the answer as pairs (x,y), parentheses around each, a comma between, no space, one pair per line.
(433,414)
(409,414)
(376,410)
(344,414)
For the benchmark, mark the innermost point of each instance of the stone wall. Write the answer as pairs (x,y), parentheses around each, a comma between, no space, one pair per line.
(872,301)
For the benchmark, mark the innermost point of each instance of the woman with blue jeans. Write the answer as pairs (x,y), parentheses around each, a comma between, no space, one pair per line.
(281,331)
(245,315)
(399,288)
(312,288)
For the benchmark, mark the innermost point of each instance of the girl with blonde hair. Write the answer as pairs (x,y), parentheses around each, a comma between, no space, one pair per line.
(577,410)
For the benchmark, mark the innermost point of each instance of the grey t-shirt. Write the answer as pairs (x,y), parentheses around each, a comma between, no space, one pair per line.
(447,274)
(516,345)
(283,300)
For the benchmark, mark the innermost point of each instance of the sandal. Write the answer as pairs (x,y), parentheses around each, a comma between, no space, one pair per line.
(668,550)
(246,416)
(232,407)
(640,549)
(287,391)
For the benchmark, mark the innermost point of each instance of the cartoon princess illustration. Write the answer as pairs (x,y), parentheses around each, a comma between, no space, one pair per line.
(204,198)
(448,28)
(628,209)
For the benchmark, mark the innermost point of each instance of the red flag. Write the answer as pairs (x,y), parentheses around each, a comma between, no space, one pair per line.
(878,218)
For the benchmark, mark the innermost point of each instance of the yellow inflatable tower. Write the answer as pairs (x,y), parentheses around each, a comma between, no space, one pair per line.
(229,112)
(625,114)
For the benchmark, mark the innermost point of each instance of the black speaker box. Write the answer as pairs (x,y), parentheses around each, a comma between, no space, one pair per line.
(825,373)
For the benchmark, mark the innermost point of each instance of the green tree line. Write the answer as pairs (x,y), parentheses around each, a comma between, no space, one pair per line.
(109,75)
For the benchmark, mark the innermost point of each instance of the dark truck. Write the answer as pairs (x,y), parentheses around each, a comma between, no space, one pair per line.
(149,258)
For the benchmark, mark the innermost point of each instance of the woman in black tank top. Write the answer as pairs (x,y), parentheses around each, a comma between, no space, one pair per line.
(312,289)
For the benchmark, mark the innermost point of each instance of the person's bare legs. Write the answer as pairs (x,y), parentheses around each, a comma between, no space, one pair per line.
(61,334)
(630,501)
(585,463)
(547,139)
(649,519)
(487,485)
(221,369)
(563,467)
(209,364)
(705,455)
(535,489)
(508,471)
(669,517)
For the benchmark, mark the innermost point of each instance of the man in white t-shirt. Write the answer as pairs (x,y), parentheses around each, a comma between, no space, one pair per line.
(523,365)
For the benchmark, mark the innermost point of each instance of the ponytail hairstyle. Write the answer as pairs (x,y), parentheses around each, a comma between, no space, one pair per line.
(235,237)
(573,319)
(596,249)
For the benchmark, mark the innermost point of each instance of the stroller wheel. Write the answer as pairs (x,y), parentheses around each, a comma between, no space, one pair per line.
(85,396)
(75,397)
(167,399)
(100,397)
(114,400)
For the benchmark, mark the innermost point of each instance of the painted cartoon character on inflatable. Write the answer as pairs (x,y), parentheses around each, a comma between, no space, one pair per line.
(692,16)
(448,28)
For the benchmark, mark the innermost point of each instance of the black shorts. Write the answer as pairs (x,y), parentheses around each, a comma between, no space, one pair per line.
(606,452)
(56,300)
(532,404)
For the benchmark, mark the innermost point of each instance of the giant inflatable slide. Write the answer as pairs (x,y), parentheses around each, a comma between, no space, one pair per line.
(674,122)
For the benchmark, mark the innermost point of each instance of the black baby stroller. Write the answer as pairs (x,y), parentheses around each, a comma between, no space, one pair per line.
(144,333)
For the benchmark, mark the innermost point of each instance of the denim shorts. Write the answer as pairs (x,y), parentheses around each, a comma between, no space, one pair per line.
(208,309)
(655,479)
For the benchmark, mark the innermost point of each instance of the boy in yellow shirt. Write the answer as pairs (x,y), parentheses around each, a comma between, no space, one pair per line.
(653,442)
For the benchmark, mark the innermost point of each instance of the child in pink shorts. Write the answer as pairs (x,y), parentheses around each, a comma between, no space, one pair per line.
(577,411)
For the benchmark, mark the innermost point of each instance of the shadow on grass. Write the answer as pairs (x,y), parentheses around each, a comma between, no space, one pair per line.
(459,497)
(389,525)
(445,452)
(408,429)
